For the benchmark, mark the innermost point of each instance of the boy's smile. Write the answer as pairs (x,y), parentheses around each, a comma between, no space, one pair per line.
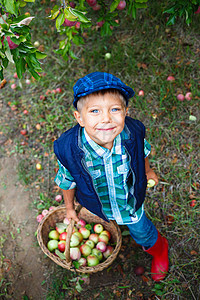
(103,117)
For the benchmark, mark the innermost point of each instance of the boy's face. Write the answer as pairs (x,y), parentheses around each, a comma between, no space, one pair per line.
(103,118)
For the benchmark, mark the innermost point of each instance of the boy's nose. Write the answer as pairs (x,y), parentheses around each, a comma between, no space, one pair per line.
(106,116)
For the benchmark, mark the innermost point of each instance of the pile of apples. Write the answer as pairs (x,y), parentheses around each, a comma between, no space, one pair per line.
(89,244)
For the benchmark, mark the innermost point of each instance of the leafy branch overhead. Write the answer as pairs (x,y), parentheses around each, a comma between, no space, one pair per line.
(72,21)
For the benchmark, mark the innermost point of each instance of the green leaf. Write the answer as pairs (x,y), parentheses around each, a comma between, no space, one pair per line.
(114,5)
(76,264)
(40,55)
(72,54)
(54,12)
(1,73)
(141,1)
(60,254)
(60,20)
(140,5)
(81,17)
(61,226)
(10,6)
(125,233)
(69,15)
(20,67)
(29,0)
(9,55)
(88,226)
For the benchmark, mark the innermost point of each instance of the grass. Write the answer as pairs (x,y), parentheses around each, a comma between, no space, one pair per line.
(143,53)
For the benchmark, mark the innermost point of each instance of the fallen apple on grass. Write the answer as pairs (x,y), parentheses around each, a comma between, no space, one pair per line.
(151,183)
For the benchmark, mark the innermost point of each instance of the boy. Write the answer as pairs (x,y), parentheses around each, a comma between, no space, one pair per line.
(103,162)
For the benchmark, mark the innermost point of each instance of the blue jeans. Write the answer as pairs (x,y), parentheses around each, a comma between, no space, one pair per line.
(144,232)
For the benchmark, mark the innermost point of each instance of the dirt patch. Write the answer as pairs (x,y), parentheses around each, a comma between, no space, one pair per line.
(22,266)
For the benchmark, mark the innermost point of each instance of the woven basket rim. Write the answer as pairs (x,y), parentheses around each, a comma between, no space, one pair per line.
(70,266)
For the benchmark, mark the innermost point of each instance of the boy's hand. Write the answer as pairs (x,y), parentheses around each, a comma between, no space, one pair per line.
(71,215)
(152,175)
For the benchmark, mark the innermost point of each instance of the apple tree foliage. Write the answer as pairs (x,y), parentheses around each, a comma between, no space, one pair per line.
(72,20)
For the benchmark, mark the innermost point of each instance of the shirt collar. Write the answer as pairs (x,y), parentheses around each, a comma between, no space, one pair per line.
(97,150)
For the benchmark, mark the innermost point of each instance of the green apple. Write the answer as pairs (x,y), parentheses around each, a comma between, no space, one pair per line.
(52,245)
(151,183)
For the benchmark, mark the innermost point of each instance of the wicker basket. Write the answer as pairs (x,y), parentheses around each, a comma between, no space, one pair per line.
(57,215)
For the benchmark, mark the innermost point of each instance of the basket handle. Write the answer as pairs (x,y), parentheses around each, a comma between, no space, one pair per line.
(69,234)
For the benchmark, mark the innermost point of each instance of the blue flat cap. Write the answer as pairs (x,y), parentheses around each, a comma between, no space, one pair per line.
(97,81)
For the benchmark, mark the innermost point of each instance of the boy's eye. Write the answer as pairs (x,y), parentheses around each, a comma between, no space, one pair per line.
(115,109)
(94,111)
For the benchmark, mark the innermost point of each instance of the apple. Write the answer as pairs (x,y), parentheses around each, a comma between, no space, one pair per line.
(51,208)
(96,7)
(108,252)
(10,43)
(72,4)
(54,235)
(59,90)
(107,56)
(92,260)
(106,232)
(13,86)
(42,97)
(193,203)
(170,78)
(75,253)
(192,118)
(103,238)
(39,218)
(52,245)
(36,44)
(58,198)
(82,261)
(100,24)
(141,93)
(85,232)
(63,236)
(15,75)
(180,97)
(61,245)
(79,235)
(23,132)
(25,112)
(90,243)
(98,228)
(121,5)
(97,253)
(188,96)
(139,270)
(74,241)
(94,237)
(69,23)
(85,250)
(151,183)
(45,212)
(28,81)
(101,246)
(38,166)
(80,223)
(91,2)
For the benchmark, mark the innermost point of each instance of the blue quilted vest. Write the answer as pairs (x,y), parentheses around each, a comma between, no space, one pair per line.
(68,151)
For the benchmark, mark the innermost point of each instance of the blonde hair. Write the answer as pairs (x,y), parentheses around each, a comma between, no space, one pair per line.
(113,92)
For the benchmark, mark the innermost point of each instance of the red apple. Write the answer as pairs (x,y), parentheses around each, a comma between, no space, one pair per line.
(80,223)
(101,246)
(45,212)
(85,232)
(193,203)
(39,218)
(180,97)
(141,93)
(96,7)
(69,23)
(66,221)
(170,78)
(108,252)
(63,236)
(61,245)
(188,96)
(91,2)
(25,112)
(75,253)
(121,5)
(85,249)
(139,270)
(52,245)
(23,132)
(58,198)
(94,237)
(82,261)
(59,90)
(92,260)
(72,4)
(54,235)
(51,208)
(98,228)
(60,230)
(106,232)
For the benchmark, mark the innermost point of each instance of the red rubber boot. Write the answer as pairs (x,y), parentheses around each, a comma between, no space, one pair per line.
(160,262)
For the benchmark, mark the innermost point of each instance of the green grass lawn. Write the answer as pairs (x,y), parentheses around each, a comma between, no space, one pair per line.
(144,53)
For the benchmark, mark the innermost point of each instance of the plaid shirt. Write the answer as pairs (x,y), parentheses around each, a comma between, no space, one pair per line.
(110,171)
